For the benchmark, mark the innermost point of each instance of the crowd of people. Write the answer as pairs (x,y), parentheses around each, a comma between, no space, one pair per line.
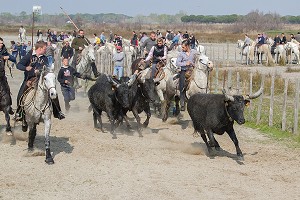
(153,46)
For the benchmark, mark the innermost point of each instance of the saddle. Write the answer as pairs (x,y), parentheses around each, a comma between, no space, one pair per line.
(78,59)
(32,83)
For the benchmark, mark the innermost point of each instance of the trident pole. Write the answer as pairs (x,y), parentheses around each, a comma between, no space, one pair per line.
(73,23)
(69,18)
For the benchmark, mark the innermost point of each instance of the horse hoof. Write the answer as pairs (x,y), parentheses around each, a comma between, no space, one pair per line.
(30,149)
(9,133)
(49,161)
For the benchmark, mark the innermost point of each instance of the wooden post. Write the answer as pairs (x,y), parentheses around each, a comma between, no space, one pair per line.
(217,80)
(235,55)
(238,83)
(283,120)
(224,78)
(250,92)
(227,53)
(260,101)
(296,110)
(229,80)
(32,30)
(271,101)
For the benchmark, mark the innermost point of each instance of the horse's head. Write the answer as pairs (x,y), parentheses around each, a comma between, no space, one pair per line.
(203,60)
(48,82)
(240,43)
(90,51)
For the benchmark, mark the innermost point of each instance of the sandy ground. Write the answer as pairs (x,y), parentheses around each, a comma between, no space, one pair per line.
(167,163)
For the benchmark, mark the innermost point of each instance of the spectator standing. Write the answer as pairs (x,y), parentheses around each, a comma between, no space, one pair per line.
(50,53)
(102,38)
(118,58)
(192,41)
(39,35)
(67,51)
(96,41)
(29,47)
(22,34)
(134,39)
(23,50)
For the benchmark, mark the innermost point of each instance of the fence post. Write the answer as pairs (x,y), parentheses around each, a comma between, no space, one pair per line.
(250,93)
(227,53)
(217,80)
(271,101)
(238,83)
(283,121)
(295,131)
(229,83)
(260,101)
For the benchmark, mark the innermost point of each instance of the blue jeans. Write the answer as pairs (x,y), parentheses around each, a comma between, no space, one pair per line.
(50,60)
(118,71)
(153,70)
(68,93)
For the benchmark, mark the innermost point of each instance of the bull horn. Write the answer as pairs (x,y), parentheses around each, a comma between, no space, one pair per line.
(131,80)
(256,94)
(112,81)
(227,96)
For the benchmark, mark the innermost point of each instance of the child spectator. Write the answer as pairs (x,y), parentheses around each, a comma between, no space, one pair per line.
(66,79)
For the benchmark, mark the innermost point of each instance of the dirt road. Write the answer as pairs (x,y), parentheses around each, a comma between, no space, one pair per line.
(167,163)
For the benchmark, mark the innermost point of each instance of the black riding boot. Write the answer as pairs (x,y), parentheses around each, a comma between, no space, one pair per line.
(94,69)
(56,109)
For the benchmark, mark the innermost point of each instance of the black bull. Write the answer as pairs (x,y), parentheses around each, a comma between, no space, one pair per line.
(5,98)
(216,113)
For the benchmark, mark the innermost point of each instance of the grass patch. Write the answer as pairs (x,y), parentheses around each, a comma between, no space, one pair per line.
(292,70)
(288,138)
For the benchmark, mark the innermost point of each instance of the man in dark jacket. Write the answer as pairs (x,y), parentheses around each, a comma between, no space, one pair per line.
(4,52)
(67,51)
(78,44)
(31,64)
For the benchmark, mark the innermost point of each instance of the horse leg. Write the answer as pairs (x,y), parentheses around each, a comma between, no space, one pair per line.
(7,118)
(165,110)
(31,137)
(47,121)
(177,110)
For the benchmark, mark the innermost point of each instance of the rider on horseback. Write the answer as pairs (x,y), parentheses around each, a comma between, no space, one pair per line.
(78,44)
(31,64)
(185,61)
(157,53)
(247,41)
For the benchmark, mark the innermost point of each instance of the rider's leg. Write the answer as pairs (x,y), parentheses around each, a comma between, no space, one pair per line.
(94,69)
(56,109)
(181,89)
(153,70)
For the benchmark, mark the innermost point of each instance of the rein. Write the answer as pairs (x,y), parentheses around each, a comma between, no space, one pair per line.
(230,118)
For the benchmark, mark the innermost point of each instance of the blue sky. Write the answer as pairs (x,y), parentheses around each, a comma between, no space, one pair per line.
(137,7)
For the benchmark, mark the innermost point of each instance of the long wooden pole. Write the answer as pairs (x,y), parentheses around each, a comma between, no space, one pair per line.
(32,30)
(69,18)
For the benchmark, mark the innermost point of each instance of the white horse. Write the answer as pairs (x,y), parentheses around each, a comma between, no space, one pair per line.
(292,47)
(168,87)
(280,53)
(244,51)
(37,107)
(199,82)
(84,65)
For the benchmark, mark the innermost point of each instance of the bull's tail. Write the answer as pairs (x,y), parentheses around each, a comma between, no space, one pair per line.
(90,108)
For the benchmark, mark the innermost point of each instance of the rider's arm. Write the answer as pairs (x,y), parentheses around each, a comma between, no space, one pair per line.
(75,45)
(165,53)
(150,55)
(24,62)
(60,76)
(180,61)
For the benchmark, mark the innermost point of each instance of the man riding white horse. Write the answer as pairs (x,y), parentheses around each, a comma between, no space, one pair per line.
(78,44)
(31,64)
(186,61)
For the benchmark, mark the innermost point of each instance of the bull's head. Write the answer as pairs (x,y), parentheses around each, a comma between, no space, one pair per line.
(234,105)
